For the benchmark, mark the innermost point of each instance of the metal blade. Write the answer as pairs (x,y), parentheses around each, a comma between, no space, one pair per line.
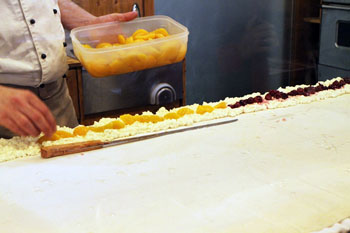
(171,131)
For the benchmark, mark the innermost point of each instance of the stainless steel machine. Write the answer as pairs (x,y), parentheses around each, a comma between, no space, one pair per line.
(158,86)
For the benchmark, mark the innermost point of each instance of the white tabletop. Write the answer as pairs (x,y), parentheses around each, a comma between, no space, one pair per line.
(284,170)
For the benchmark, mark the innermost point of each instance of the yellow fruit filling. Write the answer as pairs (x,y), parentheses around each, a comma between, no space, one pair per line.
(80,130)
(201,109)
(128,119)
(185,111)
(139,58)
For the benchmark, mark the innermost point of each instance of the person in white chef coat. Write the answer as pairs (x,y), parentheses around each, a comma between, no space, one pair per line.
(33,93)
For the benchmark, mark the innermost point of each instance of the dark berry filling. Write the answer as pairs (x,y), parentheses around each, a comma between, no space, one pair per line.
(268,97)
(307,91)
(258,99)
(293,93)
(243,102)
(342,82)
(300,91)
(318,88)
(250,100)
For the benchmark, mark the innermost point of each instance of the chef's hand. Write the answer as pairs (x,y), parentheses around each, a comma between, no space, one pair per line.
(114,17)
(73,16)
(24,113)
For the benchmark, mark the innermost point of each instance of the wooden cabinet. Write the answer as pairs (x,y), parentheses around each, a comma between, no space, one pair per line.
(74,83)
(102,7)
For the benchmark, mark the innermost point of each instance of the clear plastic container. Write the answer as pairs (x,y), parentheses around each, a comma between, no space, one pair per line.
(125,58)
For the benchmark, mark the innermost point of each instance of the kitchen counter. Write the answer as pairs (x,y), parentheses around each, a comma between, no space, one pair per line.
(73,62)
(284,170)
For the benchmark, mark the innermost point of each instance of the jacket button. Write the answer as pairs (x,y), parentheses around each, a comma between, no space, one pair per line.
(43,56)
(55,11)
(32,21)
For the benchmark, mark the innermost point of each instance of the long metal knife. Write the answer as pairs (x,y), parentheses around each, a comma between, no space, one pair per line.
(170,131)
(58,150)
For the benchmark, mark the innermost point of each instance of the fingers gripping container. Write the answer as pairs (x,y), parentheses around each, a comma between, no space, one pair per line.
(129,57)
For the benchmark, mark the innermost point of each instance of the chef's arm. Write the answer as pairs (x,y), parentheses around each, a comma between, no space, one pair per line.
(73,16)
(24,113)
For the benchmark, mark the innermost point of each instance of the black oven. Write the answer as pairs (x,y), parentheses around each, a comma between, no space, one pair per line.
(334,57)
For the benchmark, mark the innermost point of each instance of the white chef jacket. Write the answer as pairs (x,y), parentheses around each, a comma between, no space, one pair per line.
(32,48)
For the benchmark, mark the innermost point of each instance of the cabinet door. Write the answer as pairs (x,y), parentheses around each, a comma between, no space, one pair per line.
(72,80)
(102,7)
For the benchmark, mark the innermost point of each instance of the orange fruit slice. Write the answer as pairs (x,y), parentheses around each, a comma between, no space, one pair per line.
(172,115)
(64,134)
(118,67)
(98,67)
(158,35)
(117,124)
(185,111)
(169,52)
(144,118)
(44,138)
(201,109)
(87,46)
(162,31)
(97,129)
(80,130)
(129,40)
(149,118)
(221,105)
(151,35)
(140,32)
(128,119)
(121,39)
(136,60)
(155,119)
(108,126)
(103,45)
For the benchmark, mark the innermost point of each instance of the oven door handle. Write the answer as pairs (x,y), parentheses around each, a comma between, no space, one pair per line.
(346,8)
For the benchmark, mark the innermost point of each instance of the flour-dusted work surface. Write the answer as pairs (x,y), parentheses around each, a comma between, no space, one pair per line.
(284,170)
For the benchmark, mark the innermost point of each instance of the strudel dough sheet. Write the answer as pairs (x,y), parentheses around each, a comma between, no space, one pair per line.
(283,170)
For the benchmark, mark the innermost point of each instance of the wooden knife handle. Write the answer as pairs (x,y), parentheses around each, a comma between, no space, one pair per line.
(71,148)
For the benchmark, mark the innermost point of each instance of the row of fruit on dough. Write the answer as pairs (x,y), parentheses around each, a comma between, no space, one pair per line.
(142,57)
(306,91)
(128,119)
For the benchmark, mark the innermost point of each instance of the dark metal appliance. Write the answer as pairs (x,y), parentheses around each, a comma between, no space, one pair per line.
(335,40)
